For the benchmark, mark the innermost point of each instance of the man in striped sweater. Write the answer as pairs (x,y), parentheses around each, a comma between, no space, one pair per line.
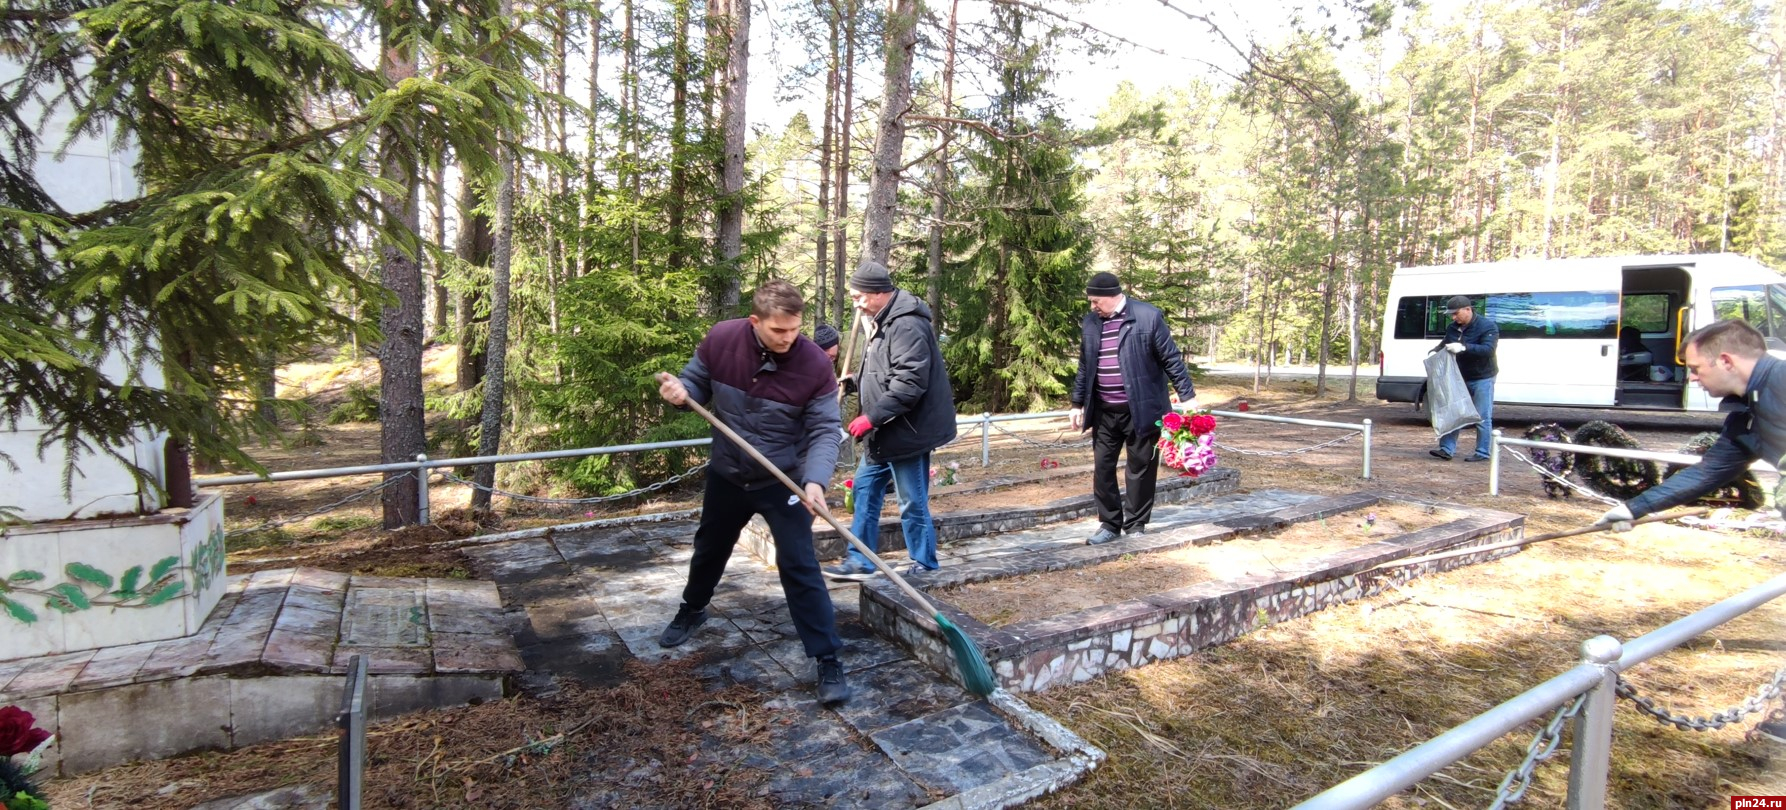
(1120,394)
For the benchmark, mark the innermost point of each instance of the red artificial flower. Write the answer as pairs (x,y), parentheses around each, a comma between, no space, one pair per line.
(18,732)
(1173,420)
(1202,423)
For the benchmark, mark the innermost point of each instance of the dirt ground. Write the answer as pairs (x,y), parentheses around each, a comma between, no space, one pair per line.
(1259,723)
(1038,596)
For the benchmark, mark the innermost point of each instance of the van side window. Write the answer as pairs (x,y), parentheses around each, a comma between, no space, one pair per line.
(1649,313)
(1410,318)
(1763,306)
(1556,314)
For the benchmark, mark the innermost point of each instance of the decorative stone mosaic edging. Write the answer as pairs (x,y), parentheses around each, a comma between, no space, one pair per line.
(1075,647)
(977,522)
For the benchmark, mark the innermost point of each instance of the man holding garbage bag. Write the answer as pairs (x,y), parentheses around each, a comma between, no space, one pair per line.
(1471,339)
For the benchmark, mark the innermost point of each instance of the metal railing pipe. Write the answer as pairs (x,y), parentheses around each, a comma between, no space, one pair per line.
(1680,631)
(410,466)
(1428,758)
(986,439)
(1590,751)
(1494,462)
(1367,449)
(421,477)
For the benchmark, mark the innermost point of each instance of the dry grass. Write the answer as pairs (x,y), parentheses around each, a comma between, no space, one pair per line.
(648,743)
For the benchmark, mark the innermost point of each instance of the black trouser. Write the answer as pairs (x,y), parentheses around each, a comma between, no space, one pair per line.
(725,509)
(1111,432)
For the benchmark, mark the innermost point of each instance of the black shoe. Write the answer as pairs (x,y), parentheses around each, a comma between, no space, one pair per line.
(849,573)
(832,687)
(682,626)
(1439,454)
(1103,536)
(1774,730)
(1477,458)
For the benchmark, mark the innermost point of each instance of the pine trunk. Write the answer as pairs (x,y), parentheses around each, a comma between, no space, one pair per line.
(402,433)
(736,17)
(495,377)
(889,139)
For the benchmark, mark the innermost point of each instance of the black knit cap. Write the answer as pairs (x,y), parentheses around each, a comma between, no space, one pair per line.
(871,277)
(826,336)
(1103,284)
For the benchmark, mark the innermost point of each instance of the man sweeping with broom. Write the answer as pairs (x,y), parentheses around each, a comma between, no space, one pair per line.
(776,387)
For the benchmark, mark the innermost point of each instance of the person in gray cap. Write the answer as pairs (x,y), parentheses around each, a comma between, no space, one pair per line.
(908,410)
(826,336)
(1126,356)
(1472,339)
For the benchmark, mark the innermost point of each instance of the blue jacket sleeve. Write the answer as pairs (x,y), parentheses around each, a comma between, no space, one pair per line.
(823,424)
(1166,349)
(1724,461)
(1485,341)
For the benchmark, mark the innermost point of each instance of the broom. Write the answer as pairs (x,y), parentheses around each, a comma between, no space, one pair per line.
(975,673)
(1526,541)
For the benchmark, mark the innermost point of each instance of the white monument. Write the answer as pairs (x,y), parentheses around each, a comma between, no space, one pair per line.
(103,562)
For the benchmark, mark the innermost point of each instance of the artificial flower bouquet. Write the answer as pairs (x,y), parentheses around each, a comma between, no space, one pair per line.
(1187,441)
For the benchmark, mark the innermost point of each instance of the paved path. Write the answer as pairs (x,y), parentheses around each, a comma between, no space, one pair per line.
(583,603)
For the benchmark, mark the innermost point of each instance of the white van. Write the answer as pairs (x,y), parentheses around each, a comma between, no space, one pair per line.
(1601,333)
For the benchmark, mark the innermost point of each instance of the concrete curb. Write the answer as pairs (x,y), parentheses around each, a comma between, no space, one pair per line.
(1078,759)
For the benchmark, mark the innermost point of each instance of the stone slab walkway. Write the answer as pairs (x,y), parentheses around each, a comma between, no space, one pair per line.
(266,664)
(582,603)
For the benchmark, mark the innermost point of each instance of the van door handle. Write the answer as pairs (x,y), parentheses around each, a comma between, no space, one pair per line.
(1603,348)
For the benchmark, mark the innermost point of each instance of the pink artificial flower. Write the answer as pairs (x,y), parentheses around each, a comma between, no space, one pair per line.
(1173,420)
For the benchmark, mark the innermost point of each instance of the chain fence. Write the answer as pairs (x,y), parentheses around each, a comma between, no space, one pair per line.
(1765,694)
(1544,746)
(672,480)
(282,522)
(1560,479)
(1034,443)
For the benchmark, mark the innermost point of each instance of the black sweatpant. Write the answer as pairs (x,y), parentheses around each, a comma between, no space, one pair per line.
(725,509)
(1111,433)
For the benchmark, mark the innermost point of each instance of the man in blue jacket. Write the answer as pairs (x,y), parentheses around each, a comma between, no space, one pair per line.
(1472,338)
(908,410)
(1728,359)
(774,387)
(1126,356)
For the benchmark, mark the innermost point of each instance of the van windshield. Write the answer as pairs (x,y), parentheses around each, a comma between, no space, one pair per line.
(1762,305)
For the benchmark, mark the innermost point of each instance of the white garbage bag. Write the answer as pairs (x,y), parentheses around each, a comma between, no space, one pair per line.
(1447,397)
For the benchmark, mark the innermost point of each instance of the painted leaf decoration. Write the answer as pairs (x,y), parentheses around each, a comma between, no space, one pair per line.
(165,593)
(161,568)
(127,585)
(88,574)
(72,594)
(25,577)
(18,611)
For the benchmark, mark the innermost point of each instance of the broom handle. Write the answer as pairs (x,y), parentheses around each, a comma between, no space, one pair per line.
(849,349)
(1530,540)
(822,510)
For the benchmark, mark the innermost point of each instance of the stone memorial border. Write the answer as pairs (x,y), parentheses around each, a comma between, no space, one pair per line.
(1031,656)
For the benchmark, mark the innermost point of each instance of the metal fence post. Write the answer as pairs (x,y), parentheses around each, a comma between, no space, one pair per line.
(1367,449)
(1590,758)
(1494,462)
(421,476)
(985,438)
(350,753)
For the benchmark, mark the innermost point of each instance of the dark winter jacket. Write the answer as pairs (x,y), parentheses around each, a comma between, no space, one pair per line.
(785,405)
(1477,360)
(1148,356)
(1755,430)
(904,386)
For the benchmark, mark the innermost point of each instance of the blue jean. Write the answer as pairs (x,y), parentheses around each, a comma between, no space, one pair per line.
(1482,392)
(911,480)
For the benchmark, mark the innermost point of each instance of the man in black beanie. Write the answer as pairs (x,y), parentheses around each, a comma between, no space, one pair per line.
(826,336)
(908,410)
(1125,358)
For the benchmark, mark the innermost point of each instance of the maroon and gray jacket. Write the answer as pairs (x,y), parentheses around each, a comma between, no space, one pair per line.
(785,405)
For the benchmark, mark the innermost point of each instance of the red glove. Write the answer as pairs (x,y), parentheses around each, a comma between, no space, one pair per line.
(859,426)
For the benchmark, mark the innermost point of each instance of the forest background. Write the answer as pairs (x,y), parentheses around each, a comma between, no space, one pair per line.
(572,192)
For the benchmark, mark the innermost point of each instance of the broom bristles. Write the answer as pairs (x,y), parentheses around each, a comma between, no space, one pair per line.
(976,675)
